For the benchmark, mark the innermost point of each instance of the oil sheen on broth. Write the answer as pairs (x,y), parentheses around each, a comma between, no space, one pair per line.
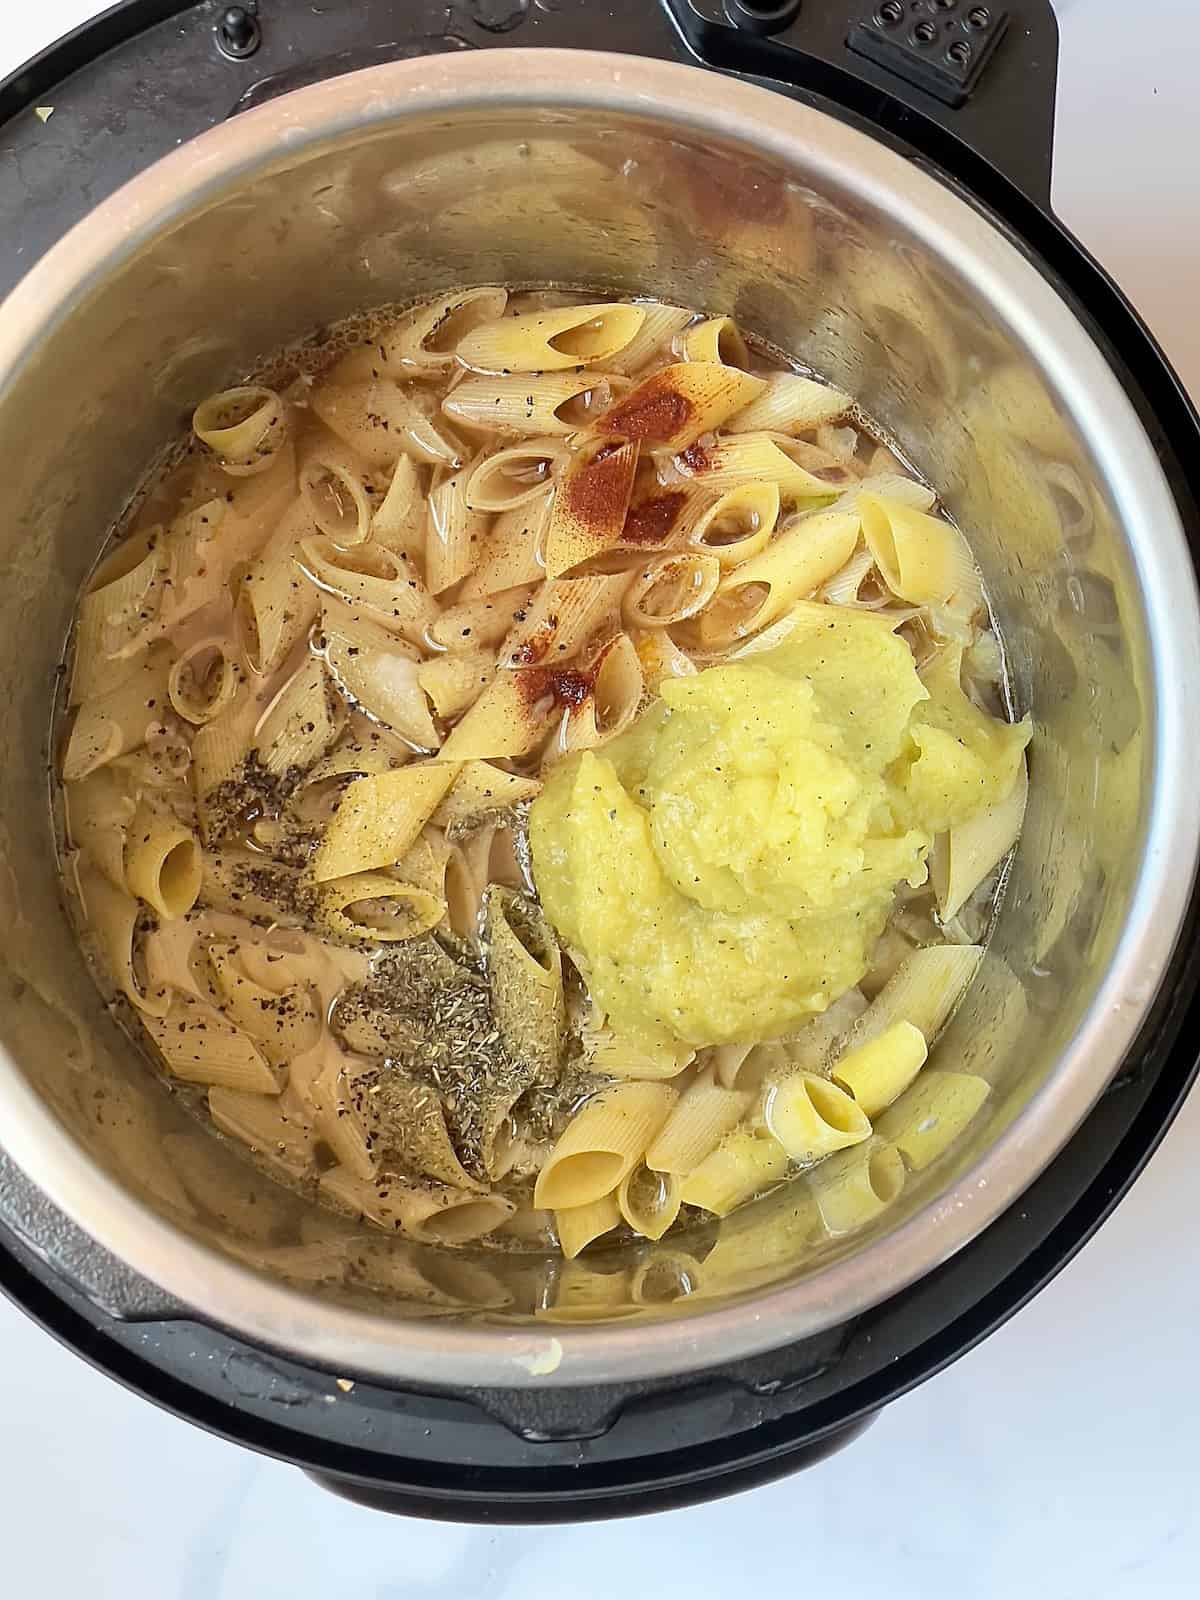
(536,769)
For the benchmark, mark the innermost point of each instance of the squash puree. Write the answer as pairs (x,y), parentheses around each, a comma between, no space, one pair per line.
(721,872)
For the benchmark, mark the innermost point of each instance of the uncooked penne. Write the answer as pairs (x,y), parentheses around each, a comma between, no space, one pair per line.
(920,558)
(524,970)
(591,499)
(602,1143)
(244,428)
(924,992)
(378,672)
(551,341)
(704,1114)
(649,1201)
(742,1166)
(791,404)
(879,1071)
(715,339)
(963,858)
(812,1117)
(579,1226)
(855,1187)
(679,403)
(162,860)
(375,908)
(114,723)
(380,817)
(480,791)
(530,406)
(200,1045)
(454,535)
(565,614)
(425,339)
(377,582)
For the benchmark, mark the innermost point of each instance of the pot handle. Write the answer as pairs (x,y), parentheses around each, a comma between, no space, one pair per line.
(967,84)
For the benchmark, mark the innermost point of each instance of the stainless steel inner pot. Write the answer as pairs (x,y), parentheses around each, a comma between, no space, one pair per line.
(611,173)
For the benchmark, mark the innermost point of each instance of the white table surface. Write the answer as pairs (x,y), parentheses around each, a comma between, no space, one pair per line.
(1056,1461)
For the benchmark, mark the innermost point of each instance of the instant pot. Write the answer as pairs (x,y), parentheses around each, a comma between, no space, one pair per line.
(866,183)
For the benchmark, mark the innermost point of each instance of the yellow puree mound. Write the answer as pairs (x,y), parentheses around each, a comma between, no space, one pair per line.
(722,871)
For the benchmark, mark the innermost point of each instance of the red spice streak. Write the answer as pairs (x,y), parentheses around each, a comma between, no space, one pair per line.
(598,493)
(695,458)
(565,686)
(655,410)
(652,521)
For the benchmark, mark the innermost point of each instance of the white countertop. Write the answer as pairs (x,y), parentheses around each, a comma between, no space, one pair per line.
(1056,1461)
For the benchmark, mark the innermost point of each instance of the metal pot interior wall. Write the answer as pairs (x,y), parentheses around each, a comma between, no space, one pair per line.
(609,200)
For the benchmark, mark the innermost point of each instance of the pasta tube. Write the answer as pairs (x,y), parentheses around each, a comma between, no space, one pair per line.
(677,404)
(879,1071)
(522,405)
(742,1166)
(115,723)
(424,341)
(244,428)
(162,861)
(592,496)
(705,1113)
(716,339)
(812,1117)
(853,1188)
(931,1116)
(380,817)
(792,404)
(551,341)
(578,1226)
(200,1046)
(649,1201)
(602,1143)
(524,968)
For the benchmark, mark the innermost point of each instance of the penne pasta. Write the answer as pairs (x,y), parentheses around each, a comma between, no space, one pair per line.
(855,1187)
(613,1057)
(398,522)
(579,1226)
(742,458)
(920,558)
(301,723)
(277,1128)
(162,861)
(481,791)
(924,992)
(679,403)
(716,339)
(337,501)
(602,1144)
(379,673)
(792,404)
(551,341)
(273,610)
(963,858)
(454,682)
(244,428)
(200,1046)
(879,1071)
(284,1024)
(99,809)
(671,589)
(704,1114)
(794,565)
(660,658)
(660,325)
(453,536)
(382,420)
(566,613)
(114,723)
(426,338)
(524,971)
(119,617)
(380,817)
(377,582)
(931,1116)
(511,717)
(112,919)
(615,698)
(812,1117)
(649,1201)
(591,499)
(739,524)
(519,476)
(412,1132)
(374,908)
(478,622)
(203,681)
(530,406)
(742,1166)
